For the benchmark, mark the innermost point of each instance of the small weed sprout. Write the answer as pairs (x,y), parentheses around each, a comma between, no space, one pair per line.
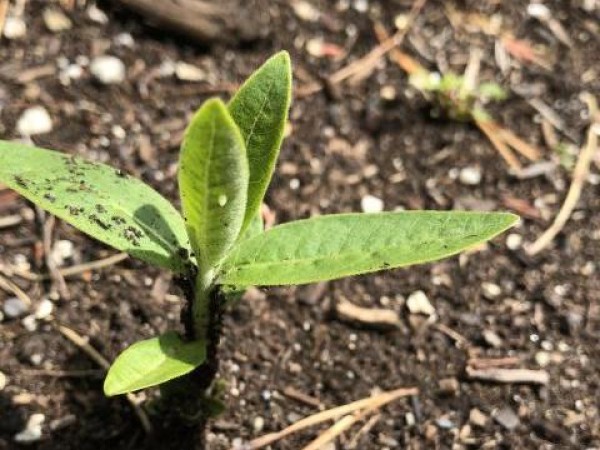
(217,245)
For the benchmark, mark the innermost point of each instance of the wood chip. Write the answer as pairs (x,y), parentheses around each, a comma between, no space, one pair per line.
(371,317)
(509,376)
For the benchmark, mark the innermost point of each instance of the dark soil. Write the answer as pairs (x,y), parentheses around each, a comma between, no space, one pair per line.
(345,143)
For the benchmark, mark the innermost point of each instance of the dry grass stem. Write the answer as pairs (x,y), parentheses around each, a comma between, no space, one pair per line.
(330,414)
(580,174)
(12,288)
(93,354)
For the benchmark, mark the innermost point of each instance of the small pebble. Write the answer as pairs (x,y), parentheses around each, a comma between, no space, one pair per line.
(490,290)
(14,28)
(539,11)
(371,204)
(33,429)
(34,120)
(305,11)
(36,359)
(108,69)
(470,175)
(388,93)
(95,14)
(125,40)
(29,323)
(543,358)
(449,386)
(492,339)
(14,307)
(507,418)
(189,72)
(477,418)
(418,303)
(3,381)
(410,419)
(62,251)
(445,423)
(258,424)
(514,241)
(44,309)
(56,20)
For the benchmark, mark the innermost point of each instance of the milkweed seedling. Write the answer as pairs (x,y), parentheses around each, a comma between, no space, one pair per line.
(218,243)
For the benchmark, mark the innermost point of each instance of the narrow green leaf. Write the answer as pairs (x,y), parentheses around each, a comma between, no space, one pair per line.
(328,247)
(101,201)
(260,109)
(213,182)
(153,361)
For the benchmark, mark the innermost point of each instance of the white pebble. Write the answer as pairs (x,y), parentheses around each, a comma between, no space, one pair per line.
(36,359)
(62,250)
(258,424)
(34,120)
(14,307)
(470,175)
(514,241)
(492,339)
(371,204)
(95,14)
(418,303)
(542,358)
(14,28)
(539,11)
(108,69)
(189,72)
(124,40)
(490,290)
(33,429)
(44,309)
(29,323)
(305,11)
(56,21)
(3,381)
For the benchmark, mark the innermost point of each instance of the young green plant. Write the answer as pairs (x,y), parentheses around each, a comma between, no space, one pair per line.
(218,243)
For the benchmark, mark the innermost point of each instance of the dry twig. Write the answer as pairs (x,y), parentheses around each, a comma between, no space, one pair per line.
(50,264)
(76,269)
(3,14)
(10,221)
(90,351)
(9,286)
(580,174)
(509,376)
(371,317)
(329,414)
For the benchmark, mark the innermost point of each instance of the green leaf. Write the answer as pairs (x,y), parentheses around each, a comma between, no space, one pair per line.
(255,227)
(213,182)
(260,109)
(153,361)
(328,247)
(101,201)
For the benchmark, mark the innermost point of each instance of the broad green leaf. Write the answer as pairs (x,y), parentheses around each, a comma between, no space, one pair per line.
(328,247)
(255,227)
(101,201)
(153,361)
(260,109)
(213,182)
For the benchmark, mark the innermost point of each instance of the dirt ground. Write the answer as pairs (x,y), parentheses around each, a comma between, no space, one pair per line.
(284,351)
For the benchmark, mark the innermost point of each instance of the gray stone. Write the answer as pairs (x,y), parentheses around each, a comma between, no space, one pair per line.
(14,307)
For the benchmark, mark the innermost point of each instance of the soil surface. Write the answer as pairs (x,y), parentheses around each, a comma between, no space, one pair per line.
(376,137)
